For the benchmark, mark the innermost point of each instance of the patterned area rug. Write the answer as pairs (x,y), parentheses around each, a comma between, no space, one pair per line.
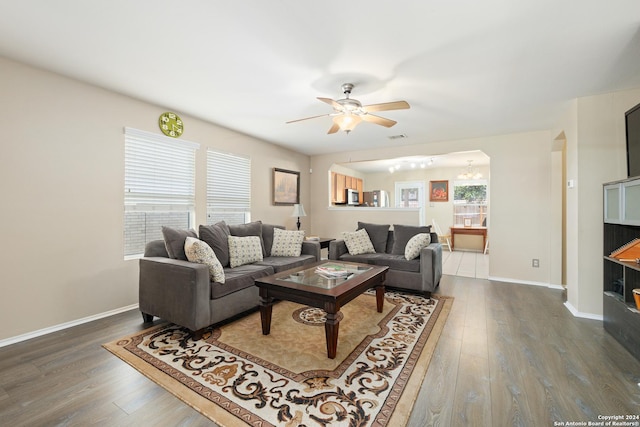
(235,374)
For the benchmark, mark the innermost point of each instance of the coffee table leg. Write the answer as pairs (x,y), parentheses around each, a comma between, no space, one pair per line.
(331,328)
(379,298)
(266,307)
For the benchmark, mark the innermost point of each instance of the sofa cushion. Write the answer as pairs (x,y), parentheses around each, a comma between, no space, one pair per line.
(174,239)
(358,242)
(267,237)
(287,242)
(248,229)
(244,250)
(201,253)
(415,245)
(282,263)
(239,278)
(363,258)
(216,236)
(403,233)
(377,234)
(397,262)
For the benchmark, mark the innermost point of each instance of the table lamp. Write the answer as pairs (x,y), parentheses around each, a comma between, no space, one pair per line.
(298,210)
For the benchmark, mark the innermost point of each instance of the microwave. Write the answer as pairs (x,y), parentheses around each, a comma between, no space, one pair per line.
(352,197)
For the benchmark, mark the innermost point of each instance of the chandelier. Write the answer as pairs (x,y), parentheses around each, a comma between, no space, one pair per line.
(469,172)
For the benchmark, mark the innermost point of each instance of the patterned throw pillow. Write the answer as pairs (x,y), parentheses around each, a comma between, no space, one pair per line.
(244,250)
(200,252)
(358,242)
(415,245)
(287,243)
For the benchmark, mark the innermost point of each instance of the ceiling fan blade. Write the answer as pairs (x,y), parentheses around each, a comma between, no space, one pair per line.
(386,106)
(378,120)
(335,128)
(331,102)
(306,118)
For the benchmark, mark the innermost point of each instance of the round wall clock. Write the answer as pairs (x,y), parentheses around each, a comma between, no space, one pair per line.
(171,124)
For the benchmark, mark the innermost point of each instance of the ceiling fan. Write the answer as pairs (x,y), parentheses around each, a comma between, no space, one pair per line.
(348,113)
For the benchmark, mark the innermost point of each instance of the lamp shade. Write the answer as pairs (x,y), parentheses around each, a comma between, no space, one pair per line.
(298,210)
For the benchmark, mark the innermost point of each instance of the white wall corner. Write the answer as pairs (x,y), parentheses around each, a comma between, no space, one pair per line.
(577,313)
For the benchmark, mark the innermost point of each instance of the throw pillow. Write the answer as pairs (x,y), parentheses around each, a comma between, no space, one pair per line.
(287,243)
(358,242)
(378,234)
(200,252)
(403,233)
(267,237)
(216,236)
(244,250)
(248,229)
(174,241)
(415,245)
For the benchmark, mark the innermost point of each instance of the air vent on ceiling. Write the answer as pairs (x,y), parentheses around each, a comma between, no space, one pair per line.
(401,136)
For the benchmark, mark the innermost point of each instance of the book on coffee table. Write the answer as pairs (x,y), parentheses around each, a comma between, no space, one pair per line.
(332,272)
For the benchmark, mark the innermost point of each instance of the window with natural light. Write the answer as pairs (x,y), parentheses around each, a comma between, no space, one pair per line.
(228,188)
(159,187)
(470,202)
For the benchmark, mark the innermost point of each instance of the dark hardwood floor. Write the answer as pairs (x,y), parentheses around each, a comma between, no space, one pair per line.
(509,355)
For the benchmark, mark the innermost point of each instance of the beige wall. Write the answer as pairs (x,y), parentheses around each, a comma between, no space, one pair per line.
(62,180)
(520,198)
(596,153)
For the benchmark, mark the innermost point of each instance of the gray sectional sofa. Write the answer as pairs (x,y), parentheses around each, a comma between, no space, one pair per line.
(174,289)
(421,275)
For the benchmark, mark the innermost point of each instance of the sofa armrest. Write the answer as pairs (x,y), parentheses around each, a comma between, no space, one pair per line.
(337,248)
(175,290)
(310,247)
(431,266)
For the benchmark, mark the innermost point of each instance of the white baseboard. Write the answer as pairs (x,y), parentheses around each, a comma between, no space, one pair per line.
(55,328)
(577,313)
(571,308)
(525,282)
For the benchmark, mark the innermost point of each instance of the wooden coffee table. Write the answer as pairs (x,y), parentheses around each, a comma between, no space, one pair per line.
(304,285)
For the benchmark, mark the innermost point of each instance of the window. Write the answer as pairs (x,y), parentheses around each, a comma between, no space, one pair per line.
(470,202)
(228,188)
(159,187)
(409,194)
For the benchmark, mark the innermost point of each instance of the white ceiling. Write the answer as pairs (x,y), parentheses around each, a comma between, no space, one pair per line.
(468,68)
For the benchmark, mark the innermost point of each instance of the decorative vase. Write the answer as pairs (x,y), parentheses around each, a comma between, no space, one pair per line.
(636,296)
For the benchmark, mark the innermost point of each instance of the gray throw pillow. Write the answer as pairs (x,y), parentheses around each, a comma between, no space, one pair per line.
(248,229)
(217,236)
(403,233)
(377,234)
(174,239)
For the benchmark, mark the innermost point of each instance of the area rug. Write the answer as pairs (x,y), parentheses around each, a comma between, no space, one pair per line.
(236,375)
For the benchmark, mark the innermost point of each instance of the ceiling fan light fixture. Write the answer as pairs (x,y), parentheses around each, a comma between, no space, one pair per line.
(347,122)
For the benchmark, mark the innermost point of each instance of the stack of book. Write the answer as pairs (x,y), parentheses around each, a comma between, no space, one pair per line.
(332,272)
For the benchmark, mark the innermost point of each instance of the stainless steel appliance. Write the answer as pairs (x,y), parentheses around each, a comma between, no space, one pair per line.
(352,197)
(376,198)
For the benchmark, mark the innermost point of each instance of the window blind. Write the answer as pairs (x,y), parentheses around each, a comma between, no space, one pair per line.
(228,188)
(159,186)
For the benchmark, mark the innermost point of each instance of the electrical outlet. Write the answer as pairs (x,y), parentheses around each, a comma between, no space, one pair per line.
(535,263)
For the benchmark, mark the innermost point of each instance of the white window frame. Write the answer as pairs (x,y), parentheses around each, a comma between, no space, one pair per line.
(159,179)
(405,185)
(228,187)
(482,208)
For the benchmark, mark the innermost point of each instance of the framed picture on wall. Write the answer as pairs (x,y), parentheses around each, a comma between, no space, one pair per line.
(286,187)
(439,191)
